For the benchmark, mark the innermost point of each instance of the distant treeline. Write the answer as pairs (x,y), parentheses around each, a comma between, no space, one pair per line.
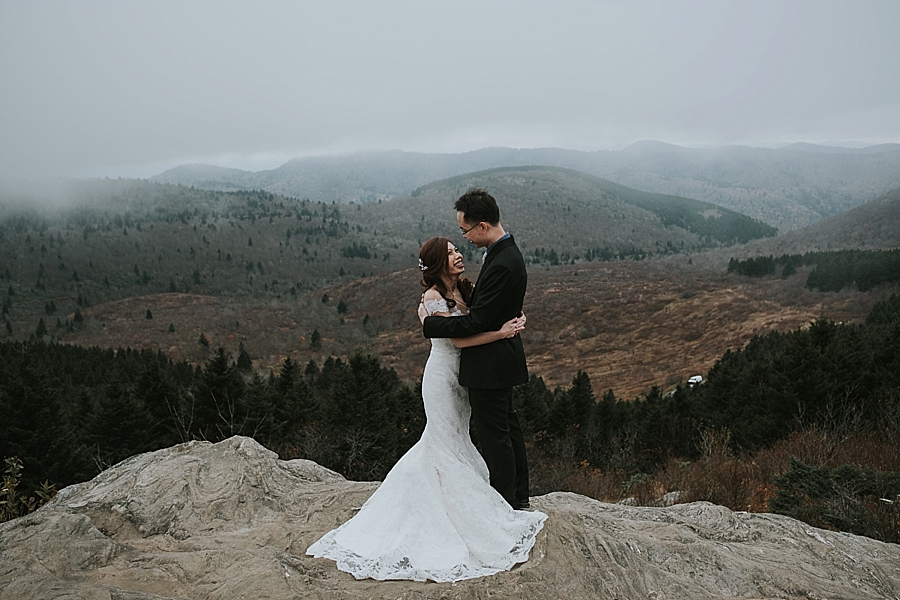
(833,270)
(550,256)
(716,223)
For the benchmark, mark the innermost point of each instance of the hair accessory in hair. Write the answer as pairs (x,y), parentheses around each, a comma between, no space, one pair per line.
(422,266)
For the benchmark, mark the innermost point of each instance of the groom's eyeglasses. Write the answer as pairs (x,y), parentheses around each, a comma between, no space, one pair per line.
(465,231)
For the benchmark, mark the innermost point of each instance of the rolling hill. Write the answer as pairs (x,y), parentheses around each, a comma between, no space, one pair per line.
(125,238)
(788,188)
(874,225)
(146,265)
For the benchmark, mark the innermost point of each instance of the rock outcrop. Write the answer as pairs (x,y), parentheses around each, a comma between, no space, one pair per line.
(230,520)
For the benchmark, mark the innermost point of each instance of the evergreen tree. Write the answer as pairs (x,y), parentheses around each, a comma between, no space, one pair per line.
(217,399)
(884,312)
(531,401)
(256,404)
(581,399)
(35,424)
(367,406)
(244,363)
(294,405)
(572,408)
(41,329)
(603,427)
(120,426)
(162,399)
(311,372)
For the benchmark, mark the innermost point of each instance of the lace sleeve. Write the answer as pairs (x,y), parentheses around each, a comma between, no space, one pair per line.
(433,306)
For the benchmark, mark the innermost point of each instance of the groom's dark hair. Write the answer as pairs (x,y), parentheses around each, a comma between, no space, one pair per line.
(477,206)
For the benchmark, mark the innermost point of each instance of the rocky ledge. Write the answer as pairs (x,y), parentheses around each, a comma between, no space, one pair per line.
(230,521)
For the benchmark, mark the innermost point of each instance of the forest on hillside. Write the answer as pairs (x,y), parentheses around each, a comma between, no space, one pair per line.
(126,238)
(71,412)
(832,271)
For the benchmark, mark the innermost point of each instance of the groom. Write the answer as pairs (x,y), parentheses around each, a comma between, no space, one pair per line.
(491,370)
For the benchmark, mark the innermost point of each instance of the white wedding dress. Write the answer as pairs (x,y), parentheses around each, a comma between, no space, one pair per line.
(435,516)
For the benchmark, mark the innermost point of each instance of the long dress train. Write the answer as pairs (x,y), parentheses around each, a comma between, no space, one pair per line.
(435,516)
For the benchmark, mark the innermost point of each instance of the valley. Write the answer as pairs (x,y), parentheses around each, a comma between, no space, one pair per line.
(628,286)
(629,325)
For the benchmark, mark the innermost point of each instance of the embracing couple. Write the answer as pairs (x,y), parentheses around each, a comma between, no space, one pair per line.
(444,513)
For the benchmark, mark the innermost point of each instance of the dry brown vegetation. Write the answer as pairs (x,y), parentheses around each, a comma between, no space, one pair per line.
(720,476)
(629,325)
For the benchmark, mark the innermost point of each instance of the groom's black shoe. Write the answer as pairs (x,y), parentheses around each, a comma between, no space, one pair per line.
(521,504)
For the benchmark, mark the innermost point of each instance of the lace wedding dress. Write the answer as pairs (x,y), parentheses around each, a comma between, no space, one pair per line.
(435,516)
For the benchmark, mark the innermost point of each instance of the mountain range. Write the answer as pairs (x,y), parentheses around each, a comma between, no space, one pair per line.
(787,188)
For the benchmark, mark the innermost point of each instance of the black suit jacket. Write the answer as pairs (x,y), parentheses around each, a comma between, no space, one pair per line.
(498,297)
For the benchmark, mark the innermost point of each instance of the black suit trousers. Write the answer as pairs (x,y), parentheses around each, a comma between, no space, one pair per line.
(502,442)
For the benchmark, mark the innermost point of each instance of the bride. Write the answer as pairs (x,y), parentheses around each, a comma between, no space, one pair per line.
(435,516)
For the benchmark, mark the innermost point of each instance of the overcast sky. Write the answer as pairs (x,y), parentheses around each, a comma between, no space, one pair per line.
(91,88)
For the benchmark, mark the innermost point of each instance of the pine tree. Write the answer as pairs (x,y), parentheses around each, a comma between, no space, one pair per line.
(293,404)
(311,372)
(41,329)
(161,396)
(531,401)
(362,403)
(218,398)
(119,427)
(256,404)
(244,362)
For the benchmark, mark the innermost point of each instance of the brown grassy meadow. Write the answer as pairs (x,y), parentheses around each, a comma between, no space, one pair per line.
(629,325)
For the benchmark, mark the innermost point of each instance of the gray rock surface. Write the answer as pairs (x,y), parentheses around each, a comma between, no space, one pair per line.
(230,520)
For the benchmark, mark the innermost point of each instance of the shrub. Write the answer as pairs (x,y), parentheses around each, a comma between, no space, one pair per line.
(12,503)
(846,498)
